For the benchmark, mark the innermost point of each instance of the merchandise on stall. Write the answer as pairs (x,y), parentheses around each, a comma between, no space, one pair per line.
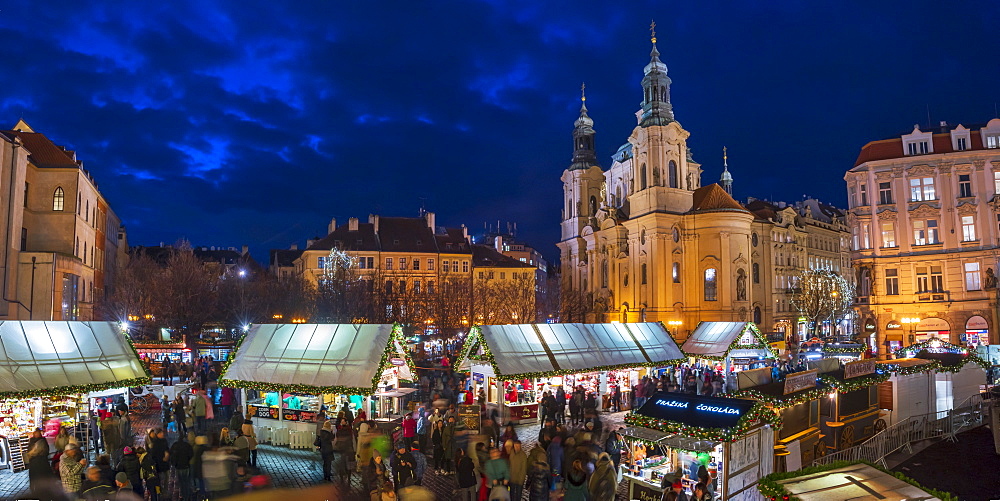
(516,365)
(737,345)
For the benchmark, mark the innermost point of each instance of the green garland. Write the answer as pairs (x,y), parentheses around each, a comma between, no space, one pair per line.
(778,402)
(855,383)
(774,491)
(859,349)
(759,413)
(395,335)
(76,389)
(762,344)
(475,334)
(971,356)
(912,369)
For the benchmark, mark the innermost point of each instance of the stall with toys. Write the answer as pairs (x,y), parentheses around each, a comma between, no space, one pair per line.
(672,435)
(514,366)
(292,371)
(729,346)
(959,373)
(49,371)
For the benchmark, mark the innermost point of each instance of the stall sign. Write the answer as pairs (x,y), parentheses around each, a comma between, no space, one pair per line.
(524,412)
(645,493)
(298,415)
(696,410)
(398,362)
(869,327)
(478,377)
(800,381)
(470,416)
(859,368)
(262,412)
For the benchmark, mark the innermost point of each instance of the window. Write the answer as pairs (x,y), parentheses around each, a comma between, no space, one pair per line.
(430,287)
(892,282)
(642,177)
(937,279)
(960,142)
(675,272)
(401,287)
(489,275)
(672,174)
(972,276)
(503,275)
(388,263)
(604,273)
(643,274)
(445,266)
(321,262)
(430,265)
(911,149)
(388,286)
(465,266)
(888,235)
(864,194)
(968,229)
(964,185)
(992,141)
(482,275)
(24,239)
(402,263)
(710,285)
(416,264)
(755,270)
(916,147)
(996,182)
(86,213)
(416,286)
(922,189)
(885,193)
(923,279)
(925,232)
(866,235)
(454,266)
(26,194)
(58,199)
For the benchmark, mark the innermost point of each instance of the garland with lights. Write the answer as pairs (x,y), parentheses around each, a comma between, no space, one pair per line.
(840,349)
(774,491)
(778,402)
(911,369)
(759,413)
(762,344)
(937,344)
(390,348)
(475,335)
(854,383)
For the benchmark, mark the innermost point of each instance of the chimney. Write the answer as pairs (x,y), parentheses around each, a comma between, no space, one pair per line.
(333,226)
(498,243)
(294,247)
(430,220)
(373,220)
(245,250)
(352,224)
(465,232)
(310,242)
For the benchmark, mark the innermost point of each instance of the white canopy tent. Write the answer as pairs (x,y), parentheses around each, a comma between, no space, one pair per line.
(854,482)
(42,357)
(316,358)
(714,340)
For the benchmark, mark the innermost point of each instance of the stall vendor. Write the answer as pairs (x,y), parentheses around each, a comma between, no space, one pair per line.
(292,402)
(271,399)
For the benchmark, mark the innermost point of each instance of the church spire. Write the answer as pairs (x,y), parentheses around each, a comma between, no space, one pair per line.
(656,107)
(584,155)
(726,180)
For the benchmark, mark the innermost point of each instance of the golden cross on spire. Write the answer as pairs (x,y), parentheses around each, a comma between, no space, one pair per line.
(652,31)
(583,92)
(725,156)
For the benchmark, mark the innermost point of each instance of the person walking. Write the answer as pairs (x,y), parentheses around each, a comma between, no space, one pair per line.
(251,435)
(448,442)
(437,439)
(403,467)
(71,465)
(41,479)
(95,487)
(419,463)
(242,446)
(465,476)
(423,429)
(324,443)
(409,430)
(376,474)
(181,456)
(497,476)
(180,415)
(518,464)
(604,481)
(539,480)
(161,453)
(575,486)
(199,409)
(130,467)
(236,419)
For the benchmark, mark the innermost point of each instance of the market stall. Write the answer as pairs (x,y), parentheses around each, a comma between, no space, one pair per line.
(843,482)
(515,365)
(48,371)
(293,371)
(737,345)
(673,434)
(909,391)
(959,375)
(851,414)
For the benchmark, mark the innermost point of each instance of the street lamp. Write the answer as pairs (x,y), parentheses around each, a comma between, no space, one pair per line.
(912,322)
(675,325)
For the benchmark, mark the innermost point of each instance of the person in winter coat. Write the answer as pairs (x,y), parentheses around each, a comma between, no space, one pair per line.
(497,473)
(614,446)
(147,469)
(242,445)
(62,439)
(95,487)
(376,474)
(324,442)
(131,468)
(555,456)
(437,440)
(448,442)
(419,463)
(508,435)
(218,471)
(518,462)
(465,476)
(251,434)
(199,409)
(236,421)
(409,430)
(71,466)
(423,429)
(181,456)
(576,488)
(539,481)
(180,414)
(42,480)
(403,467)
(604,481)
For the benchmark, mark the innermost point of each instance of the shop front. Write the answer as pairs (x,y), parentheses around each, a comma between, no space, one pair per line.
(932,327)
(52,372)
(514,366)
(892,338)
(290,372)
(672,435)
(977,332)
(729,346)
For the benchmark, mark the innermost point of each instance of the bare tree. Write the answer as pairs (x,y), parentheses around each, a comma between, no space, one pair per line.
(451,304)
(821,294)
(505,300)
(133,290)
(186,300)
(574,305)
(288,299)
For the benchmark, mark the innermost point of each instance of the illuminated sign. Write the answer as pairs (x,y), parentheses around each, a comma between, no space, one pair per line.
(672,403)
(700,407)
(894,325)
(696,410)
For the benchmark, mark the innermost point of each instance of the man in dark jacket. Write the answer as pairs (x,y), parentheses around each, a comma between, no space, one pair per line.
(181,455)
(130,466)
(325,444)
(465,475)
(95,487)
(160,451)
(403,467)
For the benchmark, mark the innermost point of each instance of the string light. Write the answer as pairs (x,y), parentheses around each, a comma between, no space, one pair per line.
(759,413)
(771,489)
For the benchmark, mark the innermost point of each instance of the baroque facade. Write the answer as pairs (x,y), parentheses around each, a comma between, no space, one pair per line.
(924,213)
(644,240)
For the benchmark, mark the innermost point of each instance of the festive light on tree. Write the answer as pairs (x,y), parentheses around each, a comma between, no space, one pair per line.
(820,294)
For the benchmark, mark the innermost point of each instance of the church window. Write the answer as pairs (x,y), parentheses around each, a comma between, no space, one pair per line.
(756,273)
(756,314)
(58,199)
(643,274)
(675,273)
(711,285)
(642,177)
(672,174)
(604,274)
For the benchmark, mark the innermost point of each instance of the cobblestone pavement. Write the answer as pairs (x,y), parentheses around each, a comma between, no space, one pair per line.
(299,468)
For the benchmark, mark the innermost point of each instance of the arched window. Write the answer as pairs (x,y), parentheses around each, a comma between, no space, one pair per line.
(675,272)
(86,213)
(756,315)
(756,273)
(663,93)
(672,174)
(647,93)
(711,285)
(642,177)
(604,273)
(58,199)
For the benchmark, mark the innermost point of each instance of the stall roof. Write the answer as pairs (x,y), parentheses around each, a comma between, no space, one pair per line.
(905,362)
(855,482)
(714,339)
(41,357)
(314,358)
(535,349)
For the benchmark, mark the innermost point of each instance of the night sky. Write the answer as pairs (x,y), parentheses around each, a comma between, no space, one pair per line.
(231,123)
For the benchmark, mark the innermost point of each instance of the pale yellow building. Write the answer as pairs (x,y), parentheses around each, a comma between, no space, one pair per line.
(924,213)
(62,243)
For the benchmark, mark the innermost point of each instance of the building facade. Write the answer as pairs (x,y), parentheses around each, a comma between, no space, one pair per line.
(643,240)
(62,243)
(924,214)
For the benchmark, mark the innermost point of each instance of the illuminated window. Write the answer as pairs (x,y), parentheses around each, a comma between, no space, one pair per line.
(711,286)
(922,189)
(58,199)
(923,279)
(968,229)
(465,266)
(388,263)
(675,272)
(888,235)
(972,277)
(892,282)
(430,265)
(937,279)
(925,232)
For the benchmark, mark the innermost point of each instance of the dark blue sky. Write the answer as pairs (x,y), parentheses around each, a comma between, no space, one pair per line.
(234,123)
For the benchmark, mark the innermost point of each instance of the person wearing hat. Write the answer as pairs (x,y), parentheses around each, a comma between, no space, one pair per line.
(71,465)
(129,466)
(124,487)
(402,465)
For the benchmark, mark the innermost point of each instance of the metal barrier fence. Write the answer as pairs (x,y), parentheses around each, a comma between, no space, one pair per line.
(969,414)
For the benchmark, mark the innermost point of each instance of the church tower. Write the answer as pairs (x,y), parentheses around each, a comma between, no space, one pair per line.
(726,180)
(584,179)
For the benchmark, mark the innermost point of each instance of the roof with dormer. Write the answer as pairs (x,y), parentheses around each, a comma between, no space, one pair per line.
(42,151)
(885,149)
(712,198)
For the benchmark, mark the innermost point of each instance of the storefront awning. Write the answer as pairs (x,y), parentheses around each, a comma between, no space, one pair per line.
(53,358)
(673,441)
(315,358)
(717,339)
(546,349)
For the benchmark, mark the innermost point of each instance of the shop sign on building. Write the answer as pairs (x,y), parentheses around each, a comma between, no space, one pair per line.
(859,368)
(893,325)
(800,381)
(977,323)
